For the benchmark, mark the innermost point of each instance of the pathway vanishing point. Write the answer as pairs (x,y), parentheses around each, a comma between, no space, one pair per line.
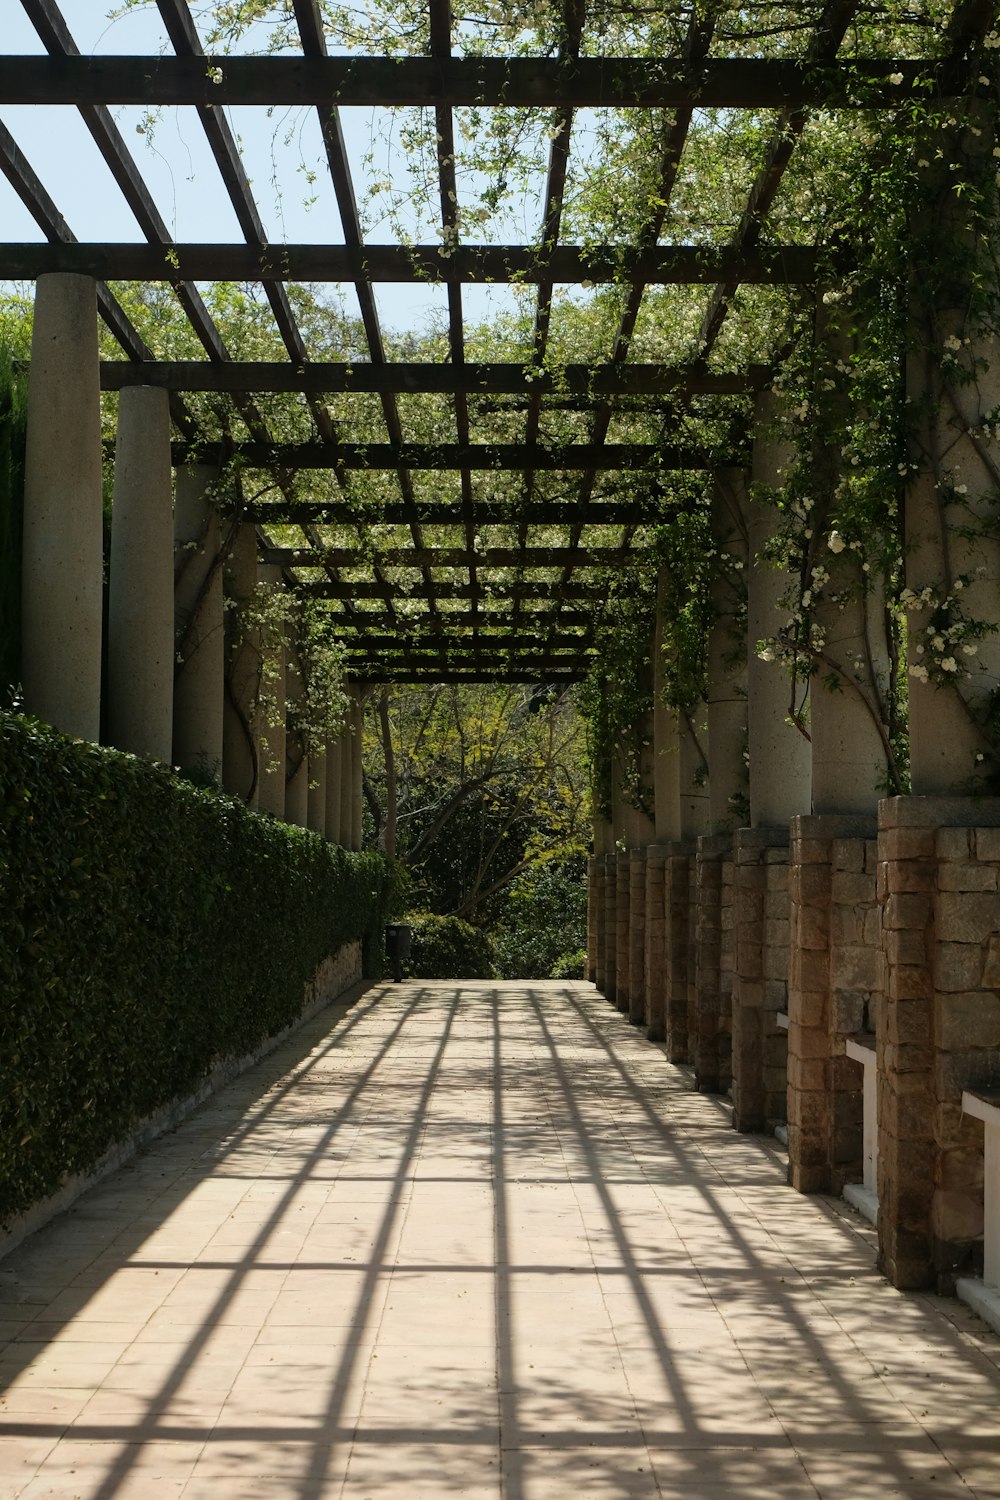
(477,1240)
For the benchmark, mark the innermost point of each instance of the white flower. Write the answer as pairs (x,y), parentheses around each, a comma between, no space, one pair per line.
(896,78)
(836,542)
(920,673)
(949,664)
(970,648)
(952,343)
(961,489)
(937,643)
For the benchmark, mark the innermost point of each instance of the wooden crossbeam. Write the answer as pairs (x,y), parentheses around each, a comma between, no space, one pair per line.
(485,379)
(476,644)
(446,513)
(588,82)
(578,592)
(415,627)
(450,557)
(512,673)
(661,265)
(441,456)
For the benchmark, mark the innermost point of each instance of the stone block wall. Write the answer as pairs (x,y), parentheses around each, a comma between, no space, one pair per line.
(609,986)
(678,916)
(711,1036)
(939,896)
(595,901)
(623,882)
(760,984)
(832,995)
(655,957)
(636,1009)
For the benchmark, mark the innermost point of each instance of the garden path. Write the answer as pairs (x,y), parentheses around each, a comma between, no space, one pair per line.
(477,1240)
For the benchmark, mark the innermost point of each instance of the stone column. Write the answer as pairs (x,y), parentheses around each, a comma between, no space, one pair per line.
(780,787)
(242,667)
(334,792)
(141,587)
(610,880)
(639,835)
(271,717)
(596,904)
(296,757)
(728,787)
(62,558)
(317,792)
(357,769)
(199,674)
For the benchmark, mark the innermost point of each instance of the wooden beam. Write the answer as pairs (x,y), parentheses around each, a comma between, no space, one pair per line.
(420,644)
(450,513)
(450,557)
(415,626)
(587,82)
(422,591)
(485,379)
(442,456)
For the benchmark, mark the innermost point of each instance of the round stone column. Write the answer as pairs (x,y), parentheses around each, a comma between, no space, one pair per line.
(334,775)
(296,758)
(780,761)
(199,680)
(271,718)
(727,657)
(240,736)
(141,588)
(62,558)
(316,819)
(357,771)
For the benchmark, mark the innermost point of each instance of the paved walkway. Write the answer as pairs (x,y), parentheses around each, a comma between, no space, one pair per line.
(479,1241)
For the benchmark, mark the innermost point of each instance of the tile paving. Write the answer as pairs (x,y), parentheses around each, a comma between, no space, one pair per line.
(477,1240)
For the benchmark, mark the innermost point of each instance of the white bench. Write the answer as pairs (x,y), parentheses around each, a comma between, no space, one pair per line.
(863,1195)
(984,1296)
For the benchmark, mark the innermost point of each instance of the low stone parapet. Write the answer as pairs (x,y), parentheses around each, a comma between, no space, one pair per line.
(679,922)
(636,1009)
(655,959)
(711,1037)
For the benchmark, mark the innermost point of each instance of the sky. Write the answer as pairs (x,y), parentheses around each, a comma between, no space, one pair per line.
(178,168)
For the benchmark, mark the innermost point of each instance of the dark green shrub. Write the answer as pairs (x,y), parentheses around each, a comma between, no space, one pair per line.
(447,948)
(544,922)
(148,929)
(570,966)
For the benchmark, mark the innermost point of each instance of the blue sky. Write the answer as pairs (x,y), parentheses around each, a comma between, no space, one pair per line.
(178,167)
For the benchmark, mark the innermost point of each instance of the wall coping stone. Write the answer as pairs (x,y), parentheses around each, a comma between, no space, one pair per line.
(939,812)
(834,825)
(753,841)
(715,845)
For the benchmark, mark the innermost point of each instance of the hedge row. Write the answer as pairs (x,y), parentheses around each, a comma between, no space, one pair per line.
(148,929)
(13,420)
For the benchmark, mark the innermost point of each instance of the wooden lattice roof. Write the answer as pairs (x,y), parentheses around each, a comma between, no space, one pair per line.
(489,550)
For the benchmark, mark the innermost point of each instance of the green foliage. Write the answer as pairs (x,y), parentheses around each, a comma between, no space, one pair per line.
(544,925)
(13,420)
(447,948)
(148,929)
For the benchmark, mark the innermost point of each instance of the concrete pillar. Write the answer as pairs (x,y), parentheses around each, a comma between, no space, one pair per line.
(347,780)
(243,668)
(357,771)
(952,550)
(141,587)
(296,757)
(271,717)
(317,791)
(728,785)
(334,775)
(780,765)
(199,674)
(63,562)
(693,773)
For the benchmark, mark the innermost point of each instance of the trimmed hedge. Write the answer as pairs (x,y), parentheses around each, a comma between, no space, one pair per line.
(13,422)
(148,929)
(447,948)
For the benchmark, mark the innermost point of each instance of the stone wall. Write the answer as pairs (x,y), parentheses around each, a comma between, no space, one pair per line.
(636,1008)
(678,916)
(655,958)
(623,884)
(939,894)
(832,995)
(608,984)
(760,985)
(711,1034)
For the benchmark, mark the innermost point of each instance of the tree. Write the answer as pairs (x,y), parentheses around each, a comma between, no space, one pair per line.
(475,785)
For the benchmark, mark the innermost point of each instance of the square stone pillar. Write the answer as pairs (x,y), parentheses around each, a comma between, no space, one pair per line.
(592,907)
(711,1033)
(655,958)
(760,982)
(609,989)
(939,895)
(832,995)
(678,917)
(623,887)
(637,937)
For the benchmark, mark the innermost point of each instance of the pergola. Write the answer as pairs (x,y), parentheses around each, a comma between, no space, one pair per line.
(455,575)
